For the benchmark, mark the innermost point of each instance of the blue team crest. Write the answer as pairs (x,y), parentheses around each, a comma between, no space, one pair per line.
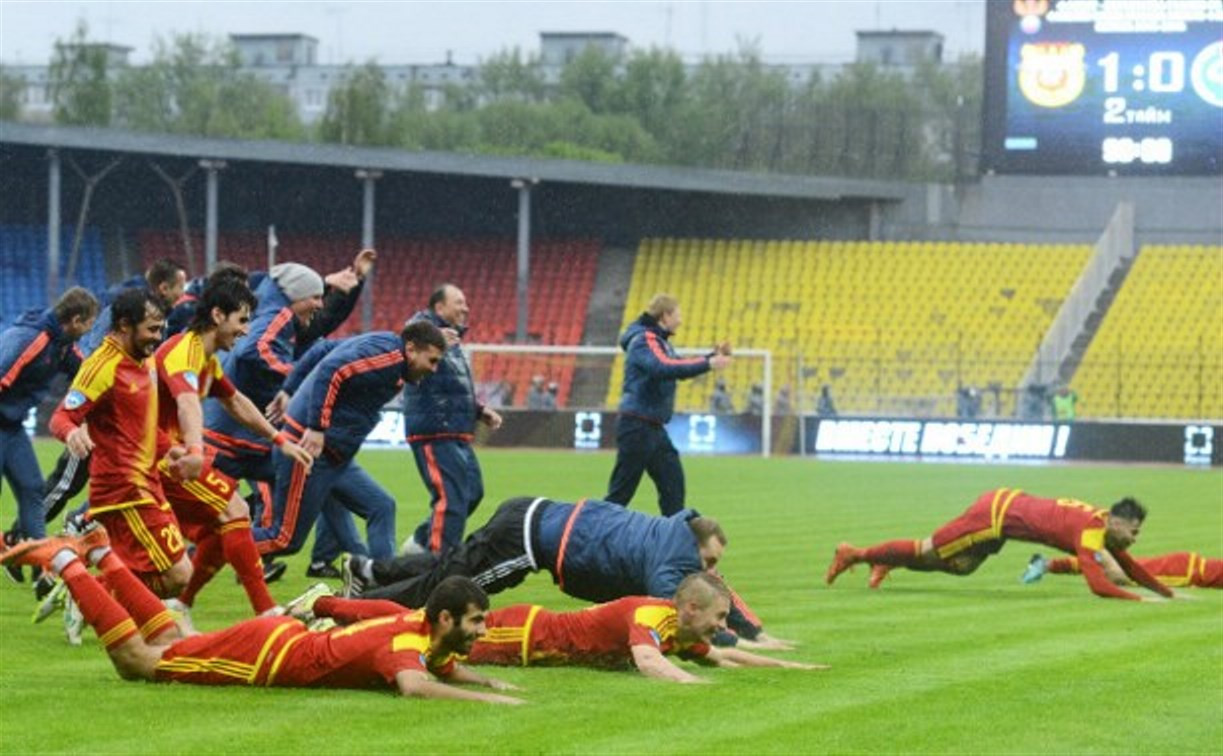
(657,638)
(192,380)
(74,399)
(1098,556)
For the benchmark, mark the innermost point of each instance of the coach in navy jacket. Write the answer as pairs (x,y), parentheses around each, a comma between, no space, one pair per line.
(647,400)
(32,351)
(440,416)
(594,550)
(339,389)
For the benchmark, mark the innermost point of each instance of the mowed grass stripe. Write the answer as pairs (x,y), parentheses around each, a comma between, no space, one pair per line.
(928,663)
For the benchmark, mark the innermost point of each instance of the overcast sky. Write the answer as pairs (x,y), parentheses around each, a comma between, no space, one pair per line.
(401,31)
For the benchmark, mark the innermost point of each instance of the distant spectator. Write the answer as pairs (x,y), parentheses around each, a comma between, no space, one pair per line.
(554,389)
(1064,402)
(1034,402)
(537,395)
(784,404)
(755,400)
(720,402)
(825,407)
(967,402)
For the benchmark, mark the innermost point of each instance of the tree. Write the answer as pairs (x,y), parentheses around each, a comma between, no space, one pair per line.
(11,88)
(507,75)
(80,88)
(591,79)
(195,85)
(358,110)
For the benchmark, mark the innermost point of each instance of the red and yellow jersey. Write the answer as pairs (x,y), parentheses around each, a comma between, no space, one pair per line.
(1065,524)
(117,395)
(183,367)
(600,636)
(281,652)
(1073,526)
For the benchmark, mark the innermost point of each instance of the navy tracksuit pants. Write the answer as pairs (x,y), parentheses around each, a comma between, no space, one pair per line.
(452,474)
(644,447)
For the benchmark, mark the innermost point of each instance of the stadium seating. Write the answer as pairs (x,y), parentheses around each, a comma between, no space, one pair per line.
(893,327)
(1165,329)
(23,266)
(408,269)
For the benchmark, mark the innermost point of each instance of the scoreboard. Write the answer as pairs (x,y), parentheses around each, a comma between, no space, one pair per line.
(1092,87)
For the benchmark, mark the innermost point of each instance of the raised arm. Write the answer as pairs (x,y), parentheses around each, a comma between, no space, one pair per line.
(649,353)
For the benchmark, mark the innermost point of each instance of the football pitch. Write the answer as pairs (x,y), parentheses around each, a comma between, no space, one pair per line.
(927,663)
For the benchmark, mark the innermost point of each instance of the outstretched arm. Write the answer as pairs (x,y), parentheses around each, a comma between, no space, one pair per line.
(737,657)
(467,675)
(414,683)
(651,663)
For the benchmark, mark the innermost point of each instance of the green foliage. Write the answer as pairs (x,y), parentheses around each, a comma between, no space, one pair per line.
(508,75)
(79,81)
(196,85)
(359,110)
(929,663)
(11,87)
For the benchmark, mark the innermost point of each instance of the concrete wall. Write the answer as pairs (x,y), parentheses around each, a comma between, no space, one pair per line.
(1052,209)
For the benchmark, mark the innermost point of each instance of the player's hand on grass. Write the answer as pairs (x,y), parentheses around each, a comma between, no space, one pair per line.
(766,642)
(496,684)
(312,442)
(79,443)
(298,454)
(275,411)
(719,361)
(802,665)
(362,263)
(508,700)
(1183,595)
(490,417)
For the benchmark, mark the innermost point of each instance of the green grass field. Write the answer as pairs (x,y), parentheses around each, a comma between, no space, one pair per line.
(929,663)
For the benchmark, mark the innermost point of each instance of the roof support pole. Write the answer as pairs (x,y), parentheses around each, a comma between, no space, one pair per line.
(211,168)
(367,179)
(524,254)
(54,174)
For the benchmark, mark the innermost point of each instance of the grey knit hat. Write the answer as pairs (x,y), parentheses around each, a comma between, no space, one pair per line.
(297,281)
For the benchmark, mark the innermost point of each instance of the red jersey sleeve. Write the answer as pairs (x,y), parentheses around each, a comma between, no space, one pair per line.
(1140,574)
(222,388)
(1090,545)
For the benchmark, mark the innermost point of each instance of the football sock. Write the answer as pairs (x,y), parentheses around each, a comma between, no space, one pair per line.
(347,611)
(239,547)
(1062,565)
(209,558)
(146,609)
(105,615)
(902,553)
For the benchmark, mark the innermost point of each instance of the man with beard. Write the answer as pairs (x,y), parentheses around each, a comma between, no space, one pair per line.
(414,652)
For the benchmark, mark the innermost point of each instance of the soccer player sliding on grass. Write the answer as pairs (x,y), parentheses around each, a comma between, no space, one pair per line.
(633,631)
(1176,570)
(413,651)
(1098,537)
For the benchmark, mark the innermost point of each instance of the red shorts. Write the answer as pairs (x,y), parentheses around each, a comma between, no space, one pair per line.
(146,539)
(202,500)
(240,655)
(979,529)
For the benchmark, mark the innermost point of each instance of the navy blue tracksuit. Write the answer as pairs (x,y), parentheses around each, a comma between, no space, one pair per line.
(646,404)
(440,415)
(345,386)
(32,351)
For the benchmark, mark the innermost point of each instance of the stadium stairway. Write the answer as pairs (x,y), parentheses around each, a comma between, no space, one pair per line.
(1159,351)
(611,285)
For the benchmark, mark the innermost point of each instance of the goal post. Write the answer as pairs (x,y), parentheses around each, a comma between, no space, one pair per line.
(588,378)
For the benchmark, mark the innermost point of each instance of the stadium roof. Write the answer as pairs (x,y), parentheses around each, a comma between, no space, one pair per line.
(448,163)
